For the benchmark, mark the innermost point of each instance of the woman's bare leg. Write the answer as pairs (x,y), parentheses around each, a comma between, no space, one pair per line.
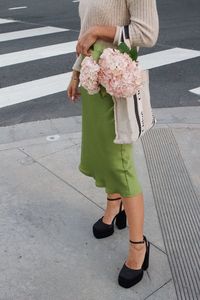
(112,208)
(134,208)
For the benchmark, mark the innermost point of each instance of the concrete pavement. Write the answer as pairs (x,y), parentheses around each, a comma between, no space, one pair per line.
(48,208)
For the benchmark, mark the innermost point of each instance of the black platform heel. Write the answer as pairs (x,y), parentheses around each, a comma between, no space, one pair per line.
(121,218)
(102,230)
(129,277)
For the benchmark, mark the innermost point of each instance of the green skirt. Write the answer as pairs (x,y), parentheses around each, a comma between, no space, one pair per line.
(111,165)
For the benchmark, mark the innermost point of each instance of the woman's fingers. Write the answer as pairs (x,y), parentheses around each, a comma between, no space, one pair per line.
(72,92)
(75,93)
(83,47)
(69,91)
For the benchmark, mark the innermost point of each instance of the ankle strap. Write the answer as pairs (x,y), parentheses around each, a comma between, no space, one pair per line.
(137,242)
(112,199)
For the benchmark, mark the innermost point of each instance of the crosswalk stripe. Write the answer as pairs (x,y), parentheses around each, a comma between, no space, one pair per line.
(196,91)
(36,53)
(17,7)
(147,61)
(33,89)
(20,34)
(58,83)
(166,57)
(5,21)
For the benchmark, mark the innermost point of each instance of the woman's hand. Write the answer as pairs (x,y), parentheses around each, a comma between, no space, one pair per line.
(72,90)
(86,41)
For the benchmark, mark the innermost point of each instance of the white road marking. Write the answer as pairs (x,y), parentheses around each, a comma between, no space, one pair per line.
(34,89)
(58,83)
(36,53)
(147,61)
(18,7)
(4,21)
(166,57)
(20,34)
(196,91)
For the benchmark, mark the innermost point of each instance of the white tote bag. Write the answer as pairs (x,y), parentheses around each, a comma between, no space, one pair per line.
(133,115)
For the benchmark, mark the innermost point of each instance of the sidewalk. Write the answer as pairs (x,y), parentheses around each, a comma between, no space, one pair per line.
(48,208)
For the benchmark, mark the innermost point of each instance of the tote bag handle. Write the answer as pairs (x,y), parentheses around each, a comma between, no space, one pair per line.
(125,37)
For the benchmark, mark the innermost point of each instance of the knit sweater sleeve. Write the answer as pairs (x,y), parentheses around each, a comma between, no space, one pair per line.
(144,23)
(77,64)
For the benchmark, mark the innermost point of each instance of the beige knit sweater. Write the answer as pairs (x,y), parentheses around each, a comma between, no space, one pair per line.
(141,15)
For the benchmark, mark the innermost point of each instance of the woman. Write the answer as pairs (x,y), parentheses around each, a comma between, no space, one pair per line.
(112,165)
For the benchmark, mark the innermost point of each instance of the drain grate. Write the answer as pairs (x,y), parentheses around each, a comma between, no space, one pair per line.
(178,209)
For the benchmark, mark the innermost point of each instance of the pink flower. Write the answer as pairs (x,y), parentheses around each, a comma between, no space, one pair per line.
(118,73)
(89,75)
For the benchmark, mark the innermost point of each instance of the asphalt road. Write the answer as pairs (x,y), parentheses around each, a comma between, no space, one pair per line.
(170,83)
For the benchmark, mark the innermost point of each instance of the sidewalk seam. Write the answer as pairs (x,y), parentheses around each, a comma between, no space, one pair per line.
(158,288)
(158,248)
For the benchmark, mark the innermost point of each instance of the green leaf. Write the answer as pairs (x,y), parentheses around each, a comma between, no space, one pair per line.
(123,48)
(133,54)
(103,91)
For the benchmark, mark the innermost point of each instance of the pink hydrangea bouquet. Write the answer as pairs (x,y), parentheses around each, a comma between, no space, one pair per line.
(89,75)
(112,71)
